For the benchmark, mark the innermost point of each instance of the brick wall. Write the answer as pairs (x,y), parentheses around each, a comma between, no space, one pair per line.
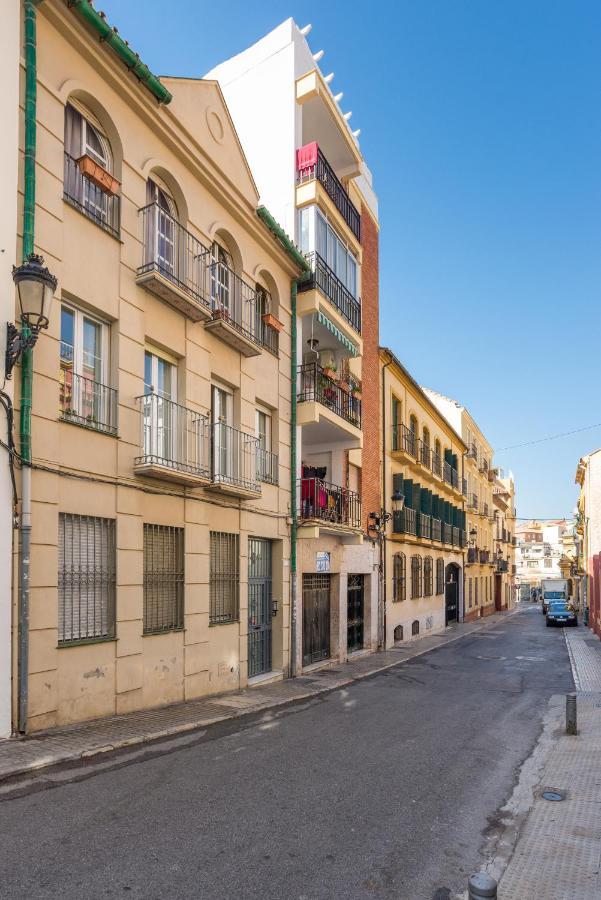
(371,473)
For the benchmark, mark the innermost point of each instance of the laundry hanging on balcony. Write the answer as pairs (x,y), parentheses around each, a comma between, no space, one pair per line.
(348,345)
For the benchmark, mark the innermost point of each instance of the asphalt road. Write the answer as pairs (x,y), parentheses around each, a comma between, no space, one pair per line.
(381,790)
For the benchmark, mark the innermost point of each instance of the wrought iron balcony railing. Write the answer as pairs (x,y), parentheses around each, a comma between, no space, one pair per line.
(84,195)
(425,454)
(173,437)
(324,279)
(437,464)
(234,457)
(314,385)
(472,555)
(450,475)
(405,521)
(404,439)
(87,402)
(436,530)
(456,535)
(424,526)
(484,556)
(268,466)
(447,533)
(464,486)
(502,565)
(322,170)
(329,503)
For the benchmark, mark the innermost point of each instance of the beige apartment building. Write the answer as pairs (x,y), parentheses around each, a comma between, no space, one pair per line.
(161,392)
(425,517)
(478,475)
(504,540)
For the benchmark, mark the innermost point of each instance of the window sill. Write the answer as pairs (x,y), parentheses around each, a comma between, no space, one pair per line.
(176,629)
(229,622)
(84,641)
(89,427)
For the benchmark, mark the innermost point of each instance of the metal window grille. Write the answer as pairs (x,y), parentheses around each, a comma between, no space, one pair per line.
(440,576)
(428,572)
(415,627)
(470,591)
(224,591)
(86,578)
(398,634)
(416,577)
(163,578)
(399,577)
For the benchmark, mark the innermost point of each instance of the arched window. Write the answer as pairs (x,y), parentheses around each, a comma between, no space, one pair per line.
(398,634)
(89,183)
(415,627)
(222,278)
(399,577)
(428,574)
(440,576)
(416,577)
(412,436)
(162,242)
(437,459)
(426,436)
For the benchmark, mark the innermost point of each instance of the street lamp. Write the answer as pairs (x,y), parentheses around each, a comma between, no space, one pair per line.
(35,288)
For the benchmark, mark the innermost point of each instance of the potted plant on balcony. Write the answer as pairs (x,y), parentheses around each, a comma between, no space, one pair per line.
(271,321)
(356,391)
(330,371)
(98,175)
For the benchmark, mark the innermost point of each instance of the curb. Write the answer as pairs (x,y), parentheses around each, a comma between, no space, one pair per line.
(186,727)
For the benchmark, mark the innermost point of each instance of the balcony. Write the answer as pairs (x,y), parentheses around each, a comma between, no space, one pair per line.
(502,566)
(235,463)
(437,464)
(404,521)
(436,530)
(472,555)
(182,272)
(484,556)
(81,193)
(447,533)
(174,442)
(268,467)
(312,164)
(450,475)
(456,537)
(404,440)
(86,402)
(424,526)
(330,412)
(464,486)
(324,279)
(425,454)
(329,504)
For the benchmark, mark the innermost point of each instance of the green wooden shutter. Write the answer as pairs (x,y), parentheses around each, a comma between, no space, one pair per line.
(408,491)
(397,484)
(417,490)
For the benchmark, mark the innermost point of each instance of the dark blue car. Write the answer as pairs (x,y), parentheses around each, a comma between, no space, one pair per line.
(560,612)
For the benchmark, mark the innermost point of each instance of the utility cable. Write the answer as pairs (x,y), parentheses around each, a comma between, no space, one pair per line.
(551,437)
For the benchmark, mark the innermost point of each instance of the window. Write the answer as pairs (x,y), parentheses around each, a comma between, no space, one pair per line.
(548,563)
(84,397)
(162,243)
(469,585)
(221,278)
(224,578)
(476,591)
(415,628)
(225,460)
(397,418)
(399,577)
(163,578)
(428,574)
(416,577)
(267,462)
(426,436)
(398,634)
(159,410)
(86,578)
(413,424)
(84,137)
(317,234)
(440,576)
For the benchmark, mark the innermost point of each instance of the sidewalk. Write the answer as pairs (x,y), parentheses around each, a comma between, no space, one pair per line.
(75,742)
(558,851)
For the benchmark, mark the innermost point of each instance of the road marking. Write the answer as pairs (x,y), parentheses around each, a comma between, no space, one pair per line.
(532,658)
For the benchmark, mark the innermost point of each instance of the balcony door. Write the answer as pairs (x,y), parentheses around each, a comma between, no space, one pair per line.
(160,409)
(164,224)
(83,367)
(225,460)
(221,278)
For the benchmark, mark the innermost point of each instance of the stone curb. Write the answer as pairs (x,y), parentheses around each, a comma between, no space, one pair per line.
(196,724)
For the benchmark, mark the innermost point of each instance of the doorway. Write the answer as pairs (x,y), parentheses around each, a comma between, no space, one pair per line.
(316,618)
(355,613)
(451,593)
(260,607)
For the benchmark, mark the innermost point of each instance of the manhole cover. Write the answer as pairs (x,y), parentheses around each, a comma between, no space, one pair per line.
(554,796)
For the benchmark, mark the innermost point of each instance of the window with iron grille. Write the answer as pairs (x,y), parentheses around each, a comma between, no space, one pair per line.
(399,577)
(224,578)
(440,576)
(416,577)
(86,578)
(470,590)
(428,577)
(163,578)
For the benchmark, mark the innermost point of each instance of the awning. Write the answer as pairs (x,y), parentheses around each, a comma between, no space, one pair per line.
(342,338)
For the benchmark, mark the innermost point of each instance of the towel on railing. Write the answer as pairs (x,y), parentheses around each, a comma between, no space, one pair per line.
(306,157)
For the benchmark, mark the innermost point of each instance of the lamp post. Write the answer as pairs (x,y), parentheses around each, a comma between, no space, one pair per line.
(377,529)
(35,287)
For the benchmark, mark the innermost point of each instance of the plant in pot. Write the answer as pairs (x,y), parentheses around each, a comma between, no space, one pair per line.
(271,321)
(98,175)
(330,371)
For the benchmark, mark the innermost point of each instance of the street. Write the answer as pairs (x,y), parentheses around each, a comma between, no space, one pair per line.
(384,789)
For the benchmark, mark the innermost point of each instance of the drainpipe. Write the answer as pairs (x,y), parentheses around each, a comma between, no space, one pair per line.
(382,537)
(27,363)
(297,257)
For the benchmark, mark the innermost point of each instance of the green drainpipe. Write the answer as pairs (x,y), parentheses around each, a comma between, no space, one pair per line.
(303,265)
(27,362)
(131,59)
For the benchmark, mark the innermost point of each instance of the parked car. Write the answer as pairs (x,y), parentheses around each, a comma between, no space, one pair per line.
(560,612)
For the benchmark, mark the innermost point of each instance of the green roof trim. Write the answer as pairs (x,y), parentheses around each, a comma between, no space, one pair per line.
(342,338)
(107,34)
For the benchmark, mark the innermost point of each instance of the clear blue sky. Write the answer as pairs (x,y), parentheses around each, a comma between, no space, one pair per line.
(481,122)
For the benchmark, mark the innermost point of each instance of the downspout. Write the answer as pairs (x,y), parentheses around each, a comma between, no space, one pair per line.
(297,257)
(110,36)
(27,363)
(464,549)
(382,537)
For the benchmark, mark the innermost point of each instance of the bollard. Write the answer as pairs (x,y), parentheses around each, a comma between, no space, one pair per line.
(571,725)
(481,887)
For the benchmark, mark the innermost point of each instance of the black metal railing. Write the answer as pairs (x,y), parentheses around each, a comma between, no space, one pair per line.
(502,565)
(447,533)
(456,536)
(173,252)
(484,556)
(464,486)
(404,521)
(472,555)
(450,475)
(87,402)
(267,466)
(329,503)
(173,436)
(437,464)
(89,199)
(315,385)
(332,287)
(234,457)
(436,530)
(404,439)
(325,174)
(424,526)
(425,454)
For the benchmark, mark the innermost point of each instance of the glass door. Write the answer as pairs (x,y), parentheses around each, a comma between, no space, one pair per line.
(224,458)
(160,409)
